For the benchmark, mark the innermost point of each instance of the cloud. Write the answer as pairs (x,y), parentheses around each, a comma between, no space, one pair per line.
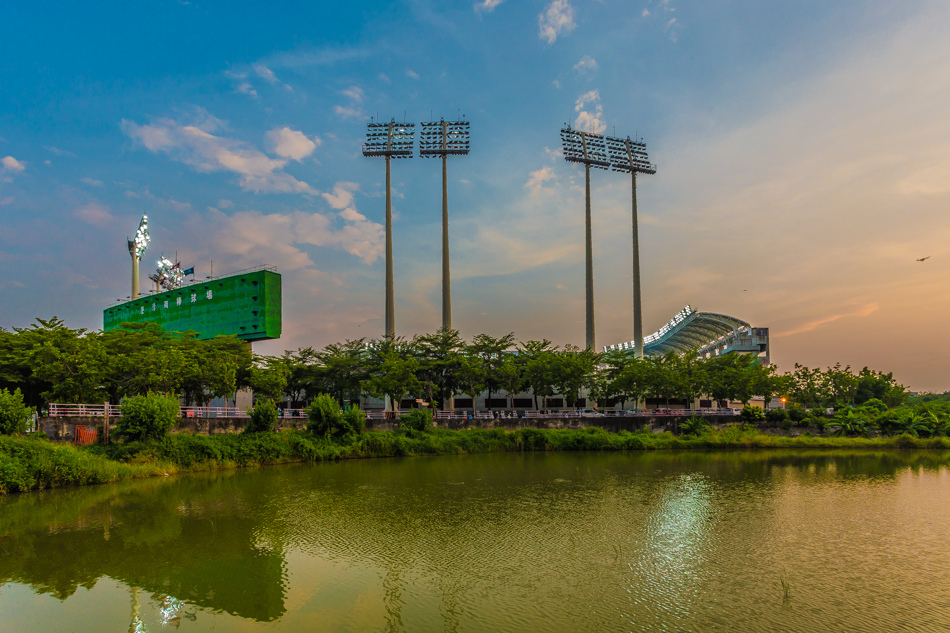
(92,182)
(59,152)
(536,180)
(288,143)
(266,74)
(95,214)
(342,195)
(863,311)
(5,201)
(384,78)
(252,237)
(590,120)
(557,18)
(11,165)
(412,74)
(556,84)
(353,110)
(671,29)
(205,152)
(585,65)
(487,5)
(646,13)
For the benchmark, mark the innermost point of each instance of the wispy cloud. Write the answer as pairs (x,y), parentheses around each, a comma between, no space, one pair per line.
(557,18)
(411,74)
(487,5)
(342,194)
(95,214)
(590,114)
(205,152)
(11,165)
(536,180)
(288,143)
(266,74)
(353,109)
(92,182)
(863,311)
(586,65)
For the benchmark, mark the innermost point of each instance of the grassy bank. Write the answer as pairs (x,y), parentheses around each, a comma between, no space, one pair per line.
(34,464)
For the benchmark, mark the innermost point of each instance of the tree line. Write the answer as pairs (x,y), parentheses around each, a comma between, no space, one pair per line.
(50,362)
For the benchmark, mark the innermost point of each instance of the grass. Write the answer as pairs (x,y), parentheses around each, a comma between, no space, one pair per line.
(34,464)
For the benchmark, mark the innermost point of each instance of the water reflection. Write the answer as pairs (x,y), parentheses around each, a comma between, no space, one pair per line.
(492,542)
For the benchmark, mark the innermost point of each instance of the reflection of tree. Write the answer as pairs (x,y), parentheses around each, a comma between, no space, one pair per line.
(158,538)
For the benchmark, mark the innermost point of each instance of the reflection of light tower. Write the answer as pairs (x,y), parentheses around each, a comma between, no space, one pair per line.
(441,138)
(631,157)
(392,140)
(589,149)
(137,248)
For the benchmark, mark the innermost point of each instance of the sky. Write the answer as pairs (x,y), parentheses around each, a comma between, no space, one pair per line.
(802,151)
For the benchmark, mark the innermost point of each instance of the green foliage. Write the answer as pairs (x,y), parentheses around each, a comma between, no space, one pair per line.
(354,419)
(777,416)
(694,425)
(147,417)
(851,423)
(416,420)
(750,413)
(797,413)
(263,417)
(324,417)
(14,415)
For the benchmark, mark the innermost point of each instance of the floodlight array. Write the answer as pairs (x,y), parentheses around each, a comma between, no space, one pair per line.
(168,275)
(628,156)
(138,244)
(441,138)
(389,139)
(586,148)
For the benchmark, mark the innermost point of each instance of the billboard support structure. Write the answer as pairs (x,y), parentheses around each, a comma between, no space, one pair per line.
(390,140)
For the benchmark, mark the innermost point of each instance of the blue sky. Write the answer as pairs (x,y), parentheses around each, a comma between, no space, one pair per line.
(802,151)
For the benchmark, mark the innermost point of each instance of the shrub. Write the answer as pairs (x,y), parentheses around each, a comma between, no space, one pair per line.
(694,425)
(797,413)
(14,415)
(875,404)
(417,420)
(751,414)
(263,417)
(325,418)
(147,417)
(355,419)
(777,416)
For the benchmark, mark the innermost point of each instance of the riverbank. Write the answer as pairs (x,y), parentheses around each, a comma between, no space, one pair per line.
(35,464)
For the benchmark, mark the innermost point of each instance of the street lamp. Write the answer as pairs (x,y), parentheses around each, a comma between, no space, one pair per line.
(442,138)
(631,157)
(137,247)
(391,140)
(589,149)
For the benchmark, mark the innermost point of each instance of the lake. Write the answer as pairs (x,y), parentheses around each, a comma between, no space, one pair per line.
(639,541)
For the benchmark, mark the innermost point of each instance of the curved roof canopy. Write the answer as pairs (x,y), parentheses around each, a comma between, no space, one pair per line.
(688,330)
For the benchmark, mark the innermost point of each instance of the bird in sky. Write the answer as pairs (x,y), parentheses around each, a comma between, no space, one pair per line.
(923,259)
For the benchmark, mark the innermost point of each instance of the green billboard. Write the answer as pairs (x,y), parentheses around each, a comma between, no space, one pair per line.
(246,305)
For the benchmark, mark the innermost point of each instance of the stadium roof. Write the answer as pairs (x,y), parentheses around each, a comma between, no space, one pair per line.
(688,330)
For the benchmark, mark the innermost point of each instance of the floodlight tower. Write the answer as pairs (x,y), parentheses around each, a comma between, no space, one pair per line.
(631,157)
(589,149)
(442,138)
(137,247)
(392,140)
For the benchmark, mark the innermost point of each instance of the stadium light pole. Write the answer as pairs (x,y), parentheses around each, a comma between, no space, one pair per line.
(137,247)
(590,150)
(390,140)
(442,138)
(631,157)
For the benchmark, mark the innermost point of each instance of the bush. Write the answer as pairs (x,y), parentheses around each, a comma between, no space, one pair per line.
(355,419)
(263,417)
(416,420)
(797,414)
(14,415)
(147,417)
(751,414)
(776,416)
(694,425)
(326,420)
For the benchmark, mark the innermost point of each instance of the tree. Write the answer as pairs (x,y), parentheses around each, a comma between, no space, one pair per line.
(471,377)
(14,415)
(440,357)
(147,417)
(490,351)
(269,377)
(632,381)
(571,369)
(392,371)
(511,377)
(532,356)
(342,369)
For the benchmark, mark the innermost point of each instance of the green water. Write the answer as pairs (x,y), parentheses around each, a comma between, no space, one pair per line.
(539,542)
